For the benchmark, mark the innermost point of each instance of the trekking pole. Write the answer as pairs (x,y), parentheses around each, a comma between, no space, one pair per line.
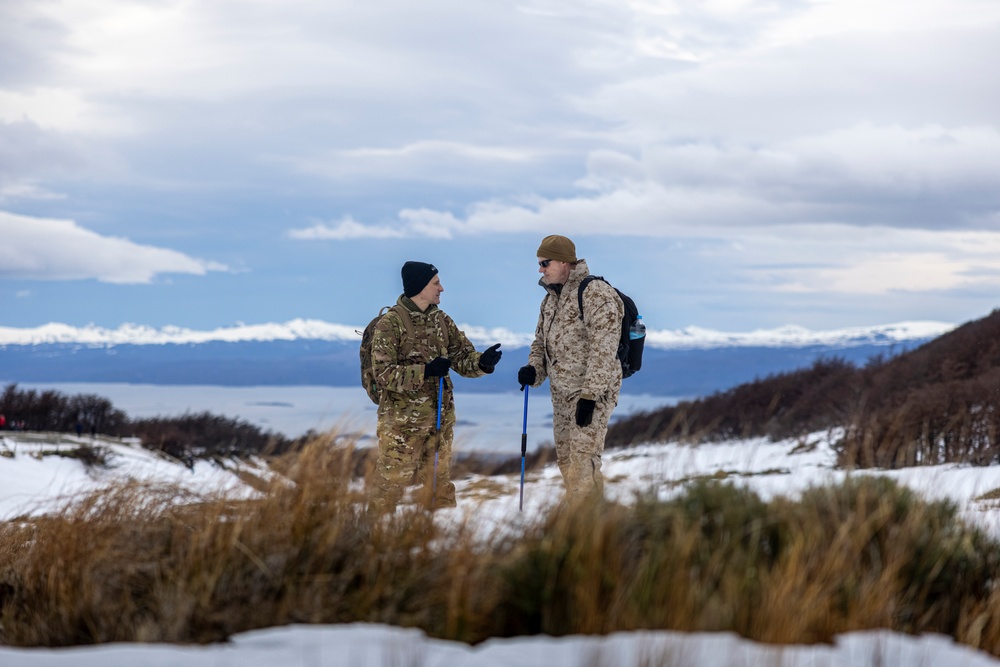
(524,448)
(437,445)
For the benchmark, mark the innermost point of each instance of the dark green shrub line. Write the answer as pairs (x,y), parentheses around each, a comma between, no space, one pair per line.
(53,411)
(184,437)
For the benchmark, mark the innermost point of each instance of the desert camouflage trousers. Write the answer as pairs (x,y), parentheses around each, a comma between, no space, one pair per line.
(579,449)
(406,450)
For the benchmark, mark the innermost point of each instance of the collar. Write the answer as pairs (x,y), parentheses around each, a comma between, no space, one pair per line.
(407,302)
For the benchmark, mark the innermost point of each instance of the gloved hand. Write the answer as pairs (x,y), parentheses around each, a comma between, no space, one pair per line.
(526,376)
(437,367)
(488,359)
(585,411)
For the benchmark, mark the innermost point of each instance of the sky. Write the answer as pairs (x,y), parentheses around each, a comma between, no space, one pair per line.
(36,484)
(730,164)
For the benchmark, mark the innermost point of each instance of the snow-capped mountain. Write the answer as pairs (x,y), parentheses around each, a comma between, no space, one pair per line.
(796,336)
(303,329)
(686,362)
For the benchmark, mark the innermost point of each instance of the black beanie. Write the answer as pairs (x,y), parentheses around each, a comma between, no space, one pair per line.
(416,275)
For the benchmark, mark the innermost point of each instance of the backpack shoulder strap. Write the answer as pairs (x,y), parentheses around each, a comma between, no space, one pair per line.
(404,316)
(407,321)
(444,327)
(583,285)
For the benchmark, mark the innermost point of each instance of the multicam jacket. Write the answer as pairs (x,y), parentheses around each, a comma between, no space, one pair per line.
(579,356)
(399,356)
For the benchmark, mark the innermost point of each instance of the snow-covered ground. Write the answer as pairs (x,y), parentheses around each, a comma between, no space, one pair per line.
(31,481)
(35,478)
(364,645)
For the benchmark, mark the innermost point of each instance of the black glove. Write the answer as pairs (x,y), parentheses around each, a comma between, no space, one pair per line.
(584,411)
(437,367)
(526,376)
(488,359)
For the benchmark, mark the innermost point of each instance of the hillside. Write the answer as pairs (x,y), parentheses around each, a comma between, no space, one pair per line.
(934,404)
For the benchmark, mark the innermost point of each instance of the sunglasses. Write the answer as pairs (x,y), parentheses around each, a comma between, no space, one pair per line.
(545,263)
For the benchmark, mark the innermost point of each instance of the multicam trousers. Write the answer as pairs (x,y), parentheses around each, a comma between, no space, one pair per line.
(407,451)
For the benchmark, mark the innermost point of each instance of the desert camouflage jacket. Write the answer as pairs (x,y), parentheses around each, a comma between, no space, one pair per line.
(398,361)
(579,356)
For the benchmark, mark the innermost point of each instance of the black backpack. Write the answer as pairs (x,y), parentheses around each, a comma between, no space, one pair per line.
(629,350)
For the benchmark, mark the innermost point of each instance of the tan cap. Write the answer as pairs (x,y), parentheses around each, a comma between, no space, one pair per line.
(558,248)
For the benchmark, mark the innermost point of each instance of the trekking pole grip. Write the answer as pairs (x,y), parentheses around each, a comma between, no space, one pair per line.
(524,449)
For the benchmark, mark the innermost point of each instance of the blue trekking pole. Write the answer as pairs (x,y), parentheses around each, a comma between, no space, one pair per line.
(437,445)
(524,448)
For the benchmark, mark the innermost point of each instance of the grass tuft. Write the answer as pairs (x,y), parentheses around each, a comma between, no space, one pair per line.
(153,563)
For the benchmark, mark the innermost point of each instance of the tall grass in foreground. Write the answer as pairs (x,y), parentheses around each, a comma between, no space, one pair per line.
(133,563)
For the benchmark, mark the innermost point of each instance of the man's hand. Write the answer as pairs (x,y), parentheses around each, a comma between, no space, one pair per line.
(526,376)
(488,359)
(585,411)
(437,367)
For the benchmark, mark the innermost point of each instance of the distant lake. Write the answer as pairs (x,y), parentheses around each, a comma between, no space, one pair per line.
(486,422)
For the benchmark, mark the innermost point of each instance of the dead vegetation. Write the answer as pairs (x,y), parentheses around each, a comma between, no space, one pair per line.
(141,563)
(939,403)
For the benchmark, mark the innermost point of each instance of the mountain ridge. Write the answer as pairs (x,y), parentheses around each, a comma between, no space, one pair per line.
(301,329)
(665,372)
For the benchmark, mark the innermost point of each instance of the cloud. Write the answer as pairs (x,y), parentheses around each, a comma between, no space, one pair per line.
(31,43)
(61,110)
(346,229)
(928,177)
(790,146)
(24,189)
(441,148)
(802,74)
(412,223)
(422,161)
(745,90)
(795,208)
(49,249)
(880,261)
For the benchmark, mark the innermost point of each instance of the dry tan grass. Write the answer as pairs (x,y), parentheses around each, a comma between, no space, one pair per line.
(150,563)
(993,494)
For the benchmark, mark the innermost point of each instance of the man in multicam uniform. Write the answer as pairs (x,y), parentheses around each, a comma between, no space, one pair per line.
(407,362)
(579,357)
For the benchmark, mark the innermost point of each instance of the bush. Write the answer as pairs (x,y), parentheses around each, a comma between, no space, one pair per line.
(135,564)
(205,435)
(52,411)
(936,404)
(783,405)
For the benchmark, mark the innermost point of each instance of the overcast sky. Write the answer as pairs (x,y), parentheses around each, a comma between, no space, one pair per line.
(731,164)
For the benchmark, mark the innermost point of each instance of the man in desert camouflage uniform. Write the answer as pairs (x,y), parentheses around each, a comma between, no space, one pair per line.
(579,357)
(408,359)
